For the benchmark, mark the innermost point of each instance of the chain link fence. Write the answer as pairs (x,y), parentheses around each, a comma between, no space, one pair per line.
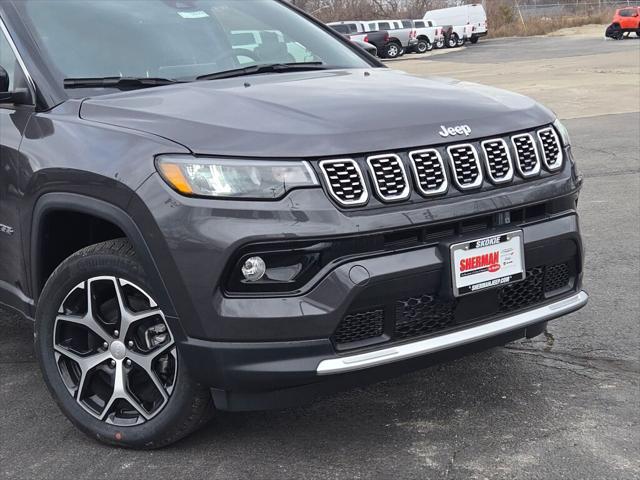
(554,9)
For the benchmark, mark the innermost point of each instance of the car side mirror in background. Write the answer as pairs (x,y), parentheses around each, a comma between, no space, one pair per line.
(17,97)
(4,81)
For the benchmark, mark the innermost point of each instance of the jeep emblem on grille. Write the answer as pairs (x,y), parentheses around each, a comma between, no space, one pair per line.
(453,131)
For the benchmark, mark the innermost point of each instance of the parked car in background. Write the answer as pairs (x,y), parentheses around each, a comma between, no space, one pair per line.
(473,15)
(349,27)
(625,20)
(379,40)
(401,36)
(427,35)
(355,31)
(366,46)
(454,35)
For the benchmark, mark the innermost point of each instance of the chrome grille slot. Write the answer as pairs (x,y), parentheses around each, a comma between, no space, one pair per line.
(498,160)
(466,166)
(429,171)
(389,177)
(551,149)
(345,182)
(527,159)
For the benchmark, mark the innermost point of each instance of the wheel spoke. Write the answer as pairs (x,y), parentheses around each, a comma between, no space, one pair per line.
(129,318)
(121,392)
(86,364)
(88,322)
(145,361)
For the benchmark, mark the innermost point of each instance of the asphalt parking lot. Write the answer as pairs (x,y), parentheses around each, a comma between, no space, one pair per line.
(563,405)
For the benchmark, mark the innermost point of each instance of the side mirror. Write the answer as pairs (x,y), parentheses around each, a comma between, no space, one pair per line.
(17,97)
(4,80)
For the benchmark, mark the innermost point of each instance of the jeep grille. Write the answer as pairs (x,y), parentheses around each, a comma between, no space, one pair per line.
(429,171)
(389,177)
(526,155)
(498,160)
(501,160)
(551,151)
(345,181)
(466,166)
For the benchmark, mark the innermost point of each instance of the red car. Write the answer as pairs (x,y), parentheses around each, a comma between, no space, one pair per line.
(626,20)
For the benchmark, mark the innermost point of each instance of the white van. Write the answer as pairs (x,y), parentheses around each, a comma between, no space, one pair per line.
(473,15)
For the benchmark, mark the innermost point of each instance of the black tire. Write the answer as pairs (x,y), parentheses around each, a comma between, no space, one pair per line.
(474,39)
(187,406)
(461,42)
(452,41)
(423,46)
(393,50)
(440,43)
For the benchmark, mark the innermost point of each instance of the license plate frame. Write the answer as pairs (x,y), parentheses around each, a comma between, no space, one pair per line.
(488,262)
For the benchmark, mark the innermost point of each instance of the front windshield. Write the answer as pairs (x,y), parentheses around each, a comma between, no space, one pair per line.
(175,39)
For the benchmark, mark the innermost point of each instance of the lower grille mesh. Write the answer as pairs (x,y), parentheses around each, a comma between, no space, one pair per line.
(556,277)
(360,326)
(426,314)
(522,294)
(417,316)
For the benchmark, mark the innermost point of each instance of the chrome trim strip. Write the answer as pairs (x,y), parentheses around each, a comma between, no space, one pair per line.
(392,198)
(26,73)
(364,198)
(451,340)
(445,185)
(560,159)
(478,181)
(535,171)
(509,176)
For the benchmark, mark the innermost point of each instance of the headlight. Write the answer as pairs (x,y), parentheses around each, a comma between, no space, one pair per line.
(229,178)
(563,132)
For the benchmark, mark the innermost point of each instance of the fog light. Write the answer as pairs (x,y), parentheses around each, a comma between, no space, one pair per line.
(254,269)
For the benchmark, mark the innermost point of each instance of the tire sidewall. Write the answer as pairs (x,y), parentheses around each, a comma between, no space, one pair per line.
(70,274)
(452,42)
(425,48)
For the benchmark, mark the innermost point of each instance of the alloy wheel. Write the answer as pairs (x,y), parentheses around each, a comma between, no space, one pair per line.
(114,351)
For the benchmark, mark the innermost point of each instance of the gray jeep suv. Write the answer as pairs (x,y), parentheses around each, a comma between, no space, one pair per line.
(200,209)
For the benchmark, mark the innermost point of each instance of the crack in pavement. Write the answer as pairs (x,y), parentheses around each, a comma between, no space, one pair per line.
(610,174)
(600,364)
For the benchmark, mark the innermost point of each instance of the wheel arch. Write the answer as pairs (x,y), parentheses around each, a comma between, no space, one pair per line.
(52,203)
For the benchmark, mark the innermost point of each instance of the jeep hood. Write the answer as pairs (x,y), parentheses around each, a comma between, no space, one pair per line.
(316,114)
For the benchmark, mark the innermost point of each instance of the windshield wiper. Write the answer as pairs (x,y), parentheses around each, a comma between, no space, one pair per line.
(266,68)
(121,83)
